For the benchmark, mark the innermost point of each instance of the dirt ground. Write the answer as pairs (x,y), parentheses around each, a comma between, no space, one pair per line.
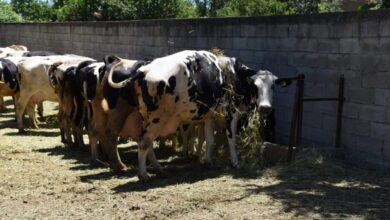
(41,179)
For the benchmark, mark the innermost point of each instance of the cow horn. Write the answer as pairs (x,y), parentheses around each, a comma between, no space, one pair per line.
(114,84)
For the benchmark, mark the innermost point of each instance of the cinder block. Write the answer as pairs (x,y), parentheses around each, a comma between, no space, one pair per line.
(372,113)
(384,63)
(384,45)
(356,127)
(328,45)
(351,110)
(351,62)
(349,45)
(380,131)
(360,95)
(261,30)
(312,119)
(382,97)
(335,61)
(277,30)
(369,28)
(344,29)
(307,45)
(303,30)
(248,30)
(318,136)
(289,44)
(369,45)
(329,122)
(293,30)
(319,30)
(239,43)
(384,29)
(377,80)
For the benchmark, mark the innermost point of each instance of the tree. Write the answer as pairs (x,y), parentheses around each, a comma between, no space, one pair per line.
(209,8)
(7,14)
(32,10)
(252,8)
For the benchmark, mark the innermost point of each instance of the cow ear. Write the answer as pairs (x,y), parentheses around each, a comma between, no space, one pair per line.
(109,59)
(283,82)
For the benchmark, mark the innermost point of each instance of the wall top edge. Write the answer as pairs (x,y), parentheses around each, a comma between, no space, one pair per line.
(307,18)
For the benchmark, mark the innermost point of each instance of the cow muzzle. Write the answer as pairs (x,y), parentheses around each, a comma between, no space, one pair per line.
(265,110)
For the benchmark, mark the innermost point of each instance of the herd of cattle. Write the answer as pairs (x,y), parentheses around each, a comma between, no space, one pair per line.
(141,100)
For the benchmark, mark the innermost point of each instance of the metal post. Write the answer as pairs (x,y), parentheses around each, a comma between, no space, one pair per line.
(341,100)
(301,88)
(294,116)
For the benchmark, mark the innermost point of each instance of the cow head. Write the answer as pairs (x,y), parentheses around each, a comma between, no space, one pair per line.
(261,84)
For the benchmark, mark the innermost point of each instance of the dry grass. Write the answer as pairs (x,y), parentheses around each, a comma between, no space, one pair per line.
(40,179)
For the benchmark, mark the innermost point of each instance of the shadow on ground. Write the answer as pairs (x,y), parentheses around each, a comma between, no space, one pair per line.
(329,187)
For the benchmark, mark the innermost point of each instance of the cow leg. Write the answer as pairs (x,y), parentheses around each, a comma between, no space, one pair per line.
(40,110)
(31,115)
(20,106)
(93,141)
(185,133)
(153,160)
(2,104)
(231,124)
(78,136)
(209,134)
(109,143)
(201,139)
(143,149)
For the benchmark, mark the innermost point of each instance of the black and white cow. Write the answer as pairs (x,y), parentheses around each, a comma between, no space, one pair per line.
(192,86)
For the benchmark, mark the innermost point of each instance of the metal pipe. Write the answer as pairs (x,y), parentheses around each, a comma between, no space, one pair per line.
(319,99)
(341,100)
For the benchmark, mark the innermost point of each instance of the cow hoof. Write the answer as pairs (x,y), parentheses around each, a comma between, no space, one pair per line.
(119,168)
(22,131)
(144,177)
(235,166)
(98,163)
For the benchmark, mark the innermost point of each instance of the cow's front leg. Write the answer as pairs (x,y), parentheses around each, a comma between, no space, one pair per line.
(20,106)
(31,115)
(153,160)
(2,105)
(143,149)
(185,135)
(231,125)
(209,135)
(40,110)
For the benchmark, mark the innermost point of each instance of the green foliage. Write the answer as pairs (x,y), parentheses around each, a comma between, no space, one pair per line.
(303,6)
(7,14)
(209,8)
(374,6)
(329,6)
(252,8)
(32,10)
(186,9)
(152,9)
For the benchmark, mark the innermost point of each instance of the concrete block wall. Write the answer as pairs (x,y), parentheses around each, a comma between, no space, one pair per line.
(322,47)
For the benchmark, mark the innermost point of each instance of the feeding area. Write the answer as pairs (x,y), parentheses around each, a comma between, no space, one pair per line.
(40,178)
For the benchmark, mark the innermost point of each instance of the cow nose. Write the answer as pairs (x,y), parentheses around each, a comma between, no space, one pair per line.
(265,110)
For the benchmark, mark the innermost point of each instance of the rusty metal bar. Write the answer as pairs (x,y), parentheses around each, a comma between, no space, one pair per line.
(301,88)
(341,100)
(319,99)
(294,117)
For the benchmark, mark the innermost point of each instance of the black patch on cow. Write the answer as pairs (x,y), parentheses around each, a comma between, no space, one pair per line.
(176,98)
(39,53)
(9,74)
(156,120)
(160,88)
(146,97)
(185,127)
(171,85)
(208,87)
(109,59)
(127,93)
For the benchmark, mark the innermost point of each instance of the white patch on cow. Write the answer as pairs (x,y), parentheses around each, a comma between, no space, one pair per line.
(264,80)
(96,67)
(1,73)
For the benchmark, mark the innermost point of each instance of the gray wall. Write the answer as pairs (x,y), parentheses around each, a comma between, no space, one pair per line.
(320,46)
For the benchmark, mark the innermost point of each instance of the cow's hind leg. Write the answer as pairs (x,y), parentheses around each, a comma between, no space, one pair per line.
(143,149)
(20,106)
(153,160)
(231,130)
(2,104)
(109,143)
(40,110)
(31,115)
(209,134)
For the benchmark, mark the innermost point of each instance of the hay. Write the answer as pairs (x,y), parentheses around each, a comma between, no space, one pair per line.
(250,143)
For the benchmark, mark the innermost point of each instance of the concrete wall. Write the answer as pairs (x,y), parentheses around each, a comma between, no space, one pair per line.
(320,46)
